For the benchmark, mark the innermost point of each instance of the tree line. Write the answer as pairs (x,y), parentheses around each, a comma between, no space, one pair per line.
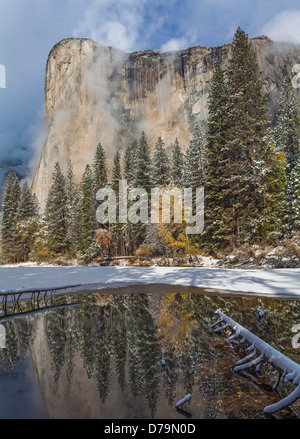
(248,165)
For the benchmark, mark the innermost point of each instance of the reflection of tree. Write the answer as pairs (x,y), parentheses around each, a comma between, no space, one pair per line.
(102,342)
(19,336)
(55,326)
(88,345)
(119,340)
(176,321)
(144,351)
(10,353)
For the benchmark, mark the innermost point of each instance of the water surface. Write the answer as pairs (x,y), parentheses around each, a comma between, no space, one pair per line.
(101,356)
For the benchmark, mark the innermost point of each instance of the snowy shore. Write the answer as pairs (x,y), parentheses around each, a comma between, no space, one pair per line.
(271,283)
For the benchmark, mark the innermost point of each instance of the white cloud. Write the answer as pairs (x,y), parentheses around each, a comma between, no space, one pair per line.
(113,23)
(174,44)
(284,27)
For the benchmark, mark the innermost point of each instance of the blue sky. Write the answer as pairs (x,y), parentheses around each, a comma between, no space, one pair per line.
(30,28)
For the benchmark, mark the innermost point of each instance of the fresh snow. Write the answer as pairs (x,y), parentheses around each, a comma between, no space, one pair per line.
(275,283)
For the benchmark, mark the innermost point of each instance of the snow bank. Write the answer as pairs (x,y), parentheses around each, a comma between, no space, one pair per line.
(276,283)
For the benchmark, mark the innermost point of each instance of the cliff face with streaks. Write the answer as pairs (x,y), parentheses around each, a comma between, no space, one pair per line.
(95,94)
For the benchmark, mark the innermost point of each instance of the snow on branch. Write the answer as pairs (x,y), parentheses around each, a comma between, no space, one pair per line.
(266,353)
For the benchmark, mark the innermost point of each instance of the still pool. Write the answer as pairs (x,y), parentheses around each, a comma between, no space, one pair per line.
(134,353)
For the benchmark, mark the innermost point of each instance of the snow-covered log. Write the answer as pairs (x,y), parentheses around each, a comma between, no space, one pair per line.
(182,401)
(287,367)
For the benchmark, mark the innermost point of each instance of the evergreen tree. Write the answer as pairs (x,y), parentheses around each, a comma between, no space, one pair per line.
(75,223)
(11,199)
(194,161)
(129,161)
(74,207)
(245,176)
(143,165)
(160,165)
(56,212)
(28,206)
(27,211)
(135,233)
(88,207)
(248,115)
(177,161)
(217,192)
(116,230)
(273,188)
(100,167)
(116,172)
(288,140)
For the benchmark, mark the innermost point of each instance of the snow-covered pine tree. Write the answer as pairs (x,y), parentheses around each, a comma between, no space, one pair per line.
(193,173)
(135,233)
(129,165)
(56,212)
(117,230)
(10,238)
(27,211)
(100,167)
(160,165)
(177,160)
(28,207)
(273,188)
(218,209)
(73,202)
(116,173)
(246,135)
(88,210)
(75,223)
(288,140)
(193,170)
(143,166)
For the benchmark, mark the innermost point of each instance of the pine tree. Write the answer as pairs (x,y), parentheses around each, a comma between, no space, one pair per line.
(160,165)
(288,140)
(10,238)
(194,161)
(273,189)
(28,207)
(135,233)
(116,172)
(177,161)
(217,191)
(248,114)
(27,211)
(129,168)
(143,165)
(245,176)
(89,225)
(100,167)
(116,230)
(56,212)
(74,207)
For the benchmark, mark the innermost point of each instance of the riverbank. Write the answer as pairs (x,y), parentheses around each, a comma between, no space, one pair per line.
(283,283)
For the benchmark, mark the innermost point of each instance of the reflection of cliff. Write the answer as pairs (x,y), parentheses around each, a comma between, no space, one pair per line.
(98,94)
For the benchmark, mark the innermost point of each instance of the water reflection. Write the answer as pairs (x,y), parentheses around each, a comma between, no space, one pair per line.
(103,358)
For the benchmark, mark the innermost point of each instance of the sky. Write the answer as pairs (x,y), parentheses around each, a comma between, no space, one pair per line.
(29,29)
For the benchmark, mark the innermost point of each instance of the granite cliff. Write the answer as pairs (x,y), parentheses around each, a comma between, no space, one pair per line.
(95,93)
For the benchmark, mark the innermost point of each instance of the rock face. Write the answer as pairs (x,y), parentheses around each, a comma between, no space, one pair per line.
(95,94)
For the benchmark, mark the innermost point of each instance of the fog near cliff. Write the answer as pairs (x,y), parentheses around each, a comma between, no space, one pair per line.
(28,31)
